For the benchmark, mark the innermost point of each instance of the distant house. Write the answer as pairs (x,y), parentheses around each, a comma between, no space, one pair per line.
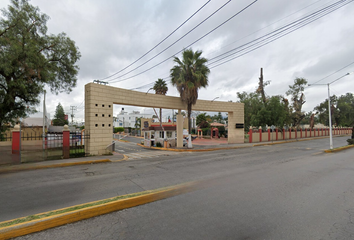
(126,120)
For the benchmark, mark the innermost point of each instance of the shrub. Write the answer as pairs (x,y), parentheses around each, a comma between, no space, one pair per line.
(158,144)
(118,129)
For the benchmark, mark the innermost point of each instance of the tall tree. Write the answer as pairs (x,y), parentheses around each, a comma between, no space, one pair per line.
(59,116)
(30,59)
(189,75)
(261,85)
(160,87)
(298,99)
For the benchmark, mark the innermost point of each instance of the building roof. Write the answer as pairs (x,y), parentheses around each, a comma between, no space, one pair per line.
(215,124)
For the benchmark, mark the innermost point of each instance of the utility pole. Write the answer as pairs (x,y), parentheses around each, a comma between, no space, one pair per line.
(72,108)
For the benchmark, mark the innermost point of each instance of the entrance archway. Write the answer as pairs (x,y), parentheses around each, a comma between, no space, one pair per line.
(99,100)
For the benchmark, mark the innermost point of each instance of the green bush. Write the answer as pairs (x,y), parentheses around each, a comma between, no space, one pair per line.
(206,131)
(158,144)
(221,130)
(118,129)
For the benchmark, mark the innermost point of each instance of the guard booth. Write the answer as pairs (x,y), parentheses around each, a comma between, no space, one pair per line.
(149,138)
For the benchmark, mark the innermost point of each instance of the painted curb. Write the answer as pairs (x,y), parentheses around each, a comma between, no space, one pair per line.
(338,149)
(78,215)
(125,158)
(18,168)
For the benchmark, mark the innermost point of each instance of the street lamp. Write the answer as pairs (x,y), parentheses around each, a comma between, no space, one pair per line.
(214,99)
(329,108)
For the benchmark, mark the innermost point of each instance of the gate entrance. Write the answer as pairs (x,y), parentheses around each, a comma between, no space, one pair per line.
(99,100)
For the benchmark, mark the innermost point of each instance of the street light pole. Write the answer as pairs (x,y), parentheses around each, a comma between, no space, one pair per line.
(329,109)
(330,120)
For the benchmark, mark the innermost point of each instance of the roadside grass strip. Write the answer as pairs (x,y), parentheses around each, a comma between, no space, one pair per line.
(42,221)
(339,149)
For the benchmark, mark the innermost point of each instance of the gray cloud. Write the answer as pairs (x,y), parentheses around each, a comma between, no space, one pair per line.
(112,34)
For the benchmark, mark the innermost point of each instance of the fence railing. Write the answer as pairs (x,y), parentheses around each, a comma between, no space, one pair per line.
(33,147)
(257,135)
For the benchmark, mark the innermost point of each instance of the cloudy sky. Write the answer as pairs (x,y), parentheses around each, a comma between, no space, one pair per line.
(112,34)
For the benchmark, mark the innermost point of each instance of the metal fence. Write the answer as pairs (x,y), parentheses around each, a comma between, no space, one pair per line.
(35,148)
(6,148)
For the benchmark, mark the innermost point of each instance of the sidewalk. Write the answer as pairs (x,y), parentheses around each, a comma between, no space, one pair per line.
(62,163)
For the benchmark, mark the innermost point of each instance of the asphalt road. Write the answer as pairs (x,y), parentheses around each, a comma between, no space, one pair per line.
(286,191)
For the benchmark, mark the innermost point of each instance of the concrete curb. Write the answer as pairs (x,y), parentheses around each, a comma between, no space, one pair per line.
(338,149)
(17,168)
(193,150)
(85,213)
(125,158)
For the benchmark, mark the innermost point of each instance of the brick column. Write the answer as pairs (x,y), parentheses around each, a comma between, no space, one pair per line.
(66,142)
(16,144)
(283,133)
(289,133)
(295,133)
(250,135)
(276,132)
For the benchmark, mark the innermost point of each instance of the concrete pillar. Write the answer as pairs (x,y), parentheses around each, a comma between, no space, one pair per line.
(235,135)
(276,134)
(66,142)
(295,133)
(16,144)
(260,133)
(179,129)
(250,135)
(268,134)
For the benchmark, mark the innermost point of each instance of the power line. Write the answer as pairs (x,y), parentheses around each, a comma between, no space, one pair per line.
(187,46)
(268,25)
(159,42)
(174,41)
(304,23)
(333,73)
(275,32)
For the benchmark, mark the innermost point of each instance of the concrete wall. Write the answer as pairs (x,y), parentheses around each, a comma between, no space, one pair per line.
(99,100)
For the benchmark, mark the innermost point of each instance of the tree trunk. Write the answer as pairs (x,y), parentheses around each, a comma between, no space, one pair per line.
(189,117)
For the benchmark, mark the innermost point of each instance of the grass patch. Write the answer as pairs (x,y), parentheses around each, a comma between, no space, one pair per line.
(71,209)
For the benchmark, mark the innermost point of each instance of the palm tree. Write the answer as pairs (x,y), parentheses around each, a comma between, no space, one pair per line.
(188,76)
(160,87)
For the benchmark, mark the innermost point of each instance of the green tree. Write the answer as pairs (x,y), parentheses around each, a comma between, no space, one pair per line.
(189,75)
(257,113)
(30,59)
(345,106)
(322,110)
(342,110)
(252,105)
(298,99)
(59,117)
(161,88)
(201,121)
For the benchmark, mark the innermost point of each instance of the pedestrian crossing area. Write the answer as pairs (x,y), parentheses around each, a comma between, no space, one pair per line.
(149,154)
